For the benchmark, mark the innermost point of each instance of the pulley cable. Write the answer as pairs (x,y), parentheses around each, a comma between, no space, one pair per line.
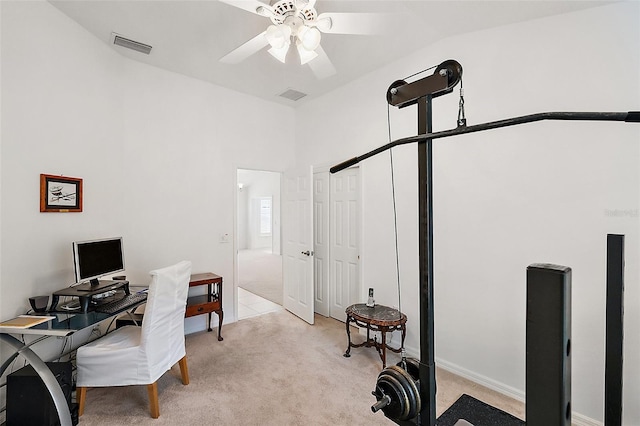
(395,232)
(420,72)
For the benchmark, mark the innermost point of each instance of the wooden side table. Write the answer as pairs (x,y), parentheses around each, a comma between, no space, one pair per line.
(377,318)
(206,303)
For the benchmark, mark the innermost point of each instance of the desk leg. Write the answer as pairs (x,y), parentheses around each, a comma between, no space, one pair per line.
(347,354)
(45,374)
(209,299)
(220,316)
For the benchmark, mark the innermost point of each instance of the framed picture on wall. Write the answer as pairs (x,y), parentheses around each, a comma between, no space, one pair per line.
(60,194)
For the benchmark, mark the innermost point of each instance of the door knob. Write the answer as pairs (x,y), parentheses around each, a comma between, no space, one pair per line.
(307,253)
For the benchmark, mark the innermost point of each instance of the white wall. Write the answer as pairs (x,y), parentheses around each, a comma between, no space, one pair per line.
(505,199)
(62,114)
(158,153)
(182,148)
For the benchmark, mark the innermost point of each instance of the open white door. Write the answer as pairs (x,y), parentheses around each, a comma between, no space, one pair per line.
(297,233)
(344,242)
(321,242)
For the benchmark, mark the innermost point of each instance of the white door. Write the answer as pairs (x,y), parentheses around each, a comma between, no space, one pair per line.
(344,240)
(297,229)
(321,242)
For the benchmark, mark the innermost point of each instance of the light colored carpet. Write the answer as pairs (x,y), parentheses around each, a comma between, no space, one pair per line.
(260,272)
(270,370)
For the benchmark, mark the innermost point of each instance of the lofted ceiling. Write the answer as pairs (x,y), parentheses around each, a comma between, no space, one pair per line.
(190,36)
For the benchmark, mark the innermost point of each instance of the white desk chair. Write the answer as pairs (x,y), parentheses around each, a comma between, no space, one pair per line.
(140,355)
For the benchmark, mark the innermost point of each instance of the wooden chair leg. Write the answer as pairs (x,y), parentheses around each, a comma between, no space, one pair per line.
(154,407)
(184,370)
(81,397)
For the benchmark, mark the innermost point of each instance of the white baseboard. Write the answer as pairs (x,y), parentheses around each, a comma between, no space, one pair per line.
(577,419)
(481,380)
(580,420)
(198,323)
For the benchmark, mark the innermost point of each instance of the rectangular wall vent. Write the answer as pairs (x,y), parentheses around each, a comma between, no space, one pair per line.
(131,44)
(293,95)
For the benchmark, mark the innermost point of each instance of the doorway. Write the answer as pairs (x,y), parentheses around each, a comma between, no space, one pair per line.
(259,257)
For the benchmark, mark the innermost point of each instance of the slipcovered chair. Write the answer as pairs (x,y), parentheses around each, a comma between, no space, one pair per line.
(134,355)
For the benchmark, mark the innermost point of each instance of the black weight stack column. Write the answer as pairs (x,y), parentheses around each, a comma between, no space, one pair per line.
(614,331)
(548,359)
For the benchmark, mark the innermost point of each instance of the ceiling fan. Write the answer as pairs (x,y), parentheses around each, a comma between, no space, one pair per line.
(296,22)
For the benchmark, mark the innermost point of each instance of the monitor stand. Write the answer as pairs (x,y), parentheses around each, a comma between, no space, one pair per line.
(94,285)
(85,291)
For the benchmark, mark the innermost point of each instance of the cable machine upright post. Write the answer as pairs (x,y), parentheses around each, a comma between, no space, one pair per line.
(427,371)
(422,92)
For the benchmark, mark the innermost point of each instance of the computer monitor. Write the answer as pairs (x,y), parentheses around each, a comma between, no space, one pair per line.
(93,259)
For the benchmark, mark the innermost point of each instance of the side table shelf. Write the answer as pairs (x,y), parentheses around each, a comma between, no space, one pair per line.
(206,303)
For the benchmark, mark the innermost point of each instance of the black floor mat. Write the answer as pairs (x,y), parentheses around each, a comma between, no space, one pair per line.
(477,413)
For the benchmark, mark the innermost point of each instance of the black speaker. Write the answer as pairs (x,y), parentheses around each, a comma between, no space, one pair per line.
(548,359)
(28,400)
(39,303)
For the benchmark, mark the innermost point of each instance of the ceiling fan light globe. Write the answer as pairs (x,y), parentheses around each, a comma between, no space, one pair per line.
(278,36)
(302,31)
(305,54)
(310,38)
(286,32)
(279,54)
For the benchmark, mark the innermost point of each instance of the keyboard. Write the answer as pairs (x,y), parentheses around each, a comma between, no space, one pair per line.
(122,304)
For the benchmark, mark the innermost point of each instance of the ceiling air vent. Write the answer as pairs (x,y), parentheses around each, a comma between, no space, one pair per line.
(130,44)
(293,95)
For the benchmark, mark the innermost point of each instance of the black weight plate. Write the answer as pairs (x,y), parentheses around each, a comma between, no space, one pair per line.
(411,390)
(413,368)
(399,406)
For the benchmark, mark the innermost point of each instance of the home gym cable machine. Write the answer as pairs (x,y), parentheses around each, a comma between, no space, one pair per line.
(406,392)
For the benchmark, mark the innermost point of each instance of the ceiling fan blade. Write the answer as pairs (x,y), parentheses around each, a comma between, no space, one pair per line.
(352,23)
(322,66)
(253,6)
(306,4)
(246,50)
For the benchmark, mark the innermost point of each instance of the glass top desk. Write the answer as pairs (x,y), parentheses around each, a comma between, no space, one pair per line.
(64,324)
